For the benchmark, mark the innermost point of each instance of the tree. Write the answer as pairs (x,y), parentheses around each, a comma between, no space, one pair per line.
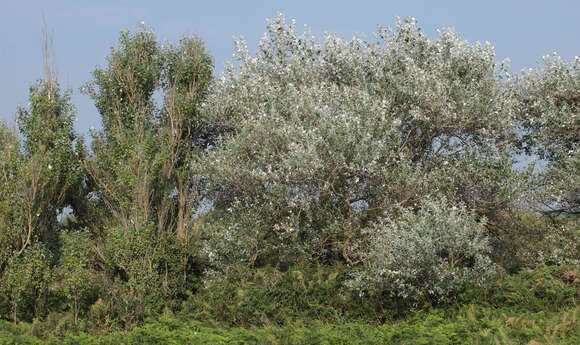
(53,177)
(139,169)
(320,138)
(41,176)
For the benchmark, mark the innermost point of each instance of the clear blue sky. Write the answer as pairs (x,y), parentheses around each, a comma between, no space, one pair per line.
(84,31)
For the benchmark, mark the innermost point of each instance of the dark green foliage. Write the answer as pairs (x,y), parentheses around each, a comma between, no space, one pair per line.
(75,275)
(11,206)
(469,326)
(546,288)
(527,239)
(269,297)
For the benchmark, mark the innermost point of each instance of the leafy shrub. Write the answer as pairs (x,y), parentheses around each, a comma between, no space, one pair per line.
(25,281)
(430,254)
(76,280)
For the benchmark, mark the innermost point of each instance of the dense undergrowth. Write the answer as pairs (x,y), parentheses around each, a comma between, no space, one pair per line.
(302,306)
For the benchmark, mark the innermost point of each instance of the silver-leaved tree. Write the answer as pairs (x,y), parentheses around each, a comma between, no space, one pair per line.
(324,139)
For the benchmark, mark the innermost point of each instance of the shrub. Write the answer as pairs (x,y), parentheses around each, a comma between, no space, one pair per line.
(430,254)
(25,281)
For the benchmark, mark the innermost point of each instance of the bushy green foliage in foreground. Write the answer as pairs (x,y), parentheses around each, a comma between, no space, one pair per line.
(536,305)
(472,326)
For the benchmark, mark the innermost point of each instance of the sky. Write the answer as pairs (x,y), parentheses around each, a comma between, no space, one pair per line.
(84,31)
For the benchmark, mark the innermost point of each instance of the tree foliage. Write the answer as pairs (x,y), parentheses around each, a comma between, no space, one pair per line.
(324,136)
(145,194)
(549,114)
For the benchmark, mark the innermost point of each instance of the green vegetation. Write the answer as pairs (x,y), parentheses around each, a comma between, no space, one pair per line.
(269,307)
(320,192)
